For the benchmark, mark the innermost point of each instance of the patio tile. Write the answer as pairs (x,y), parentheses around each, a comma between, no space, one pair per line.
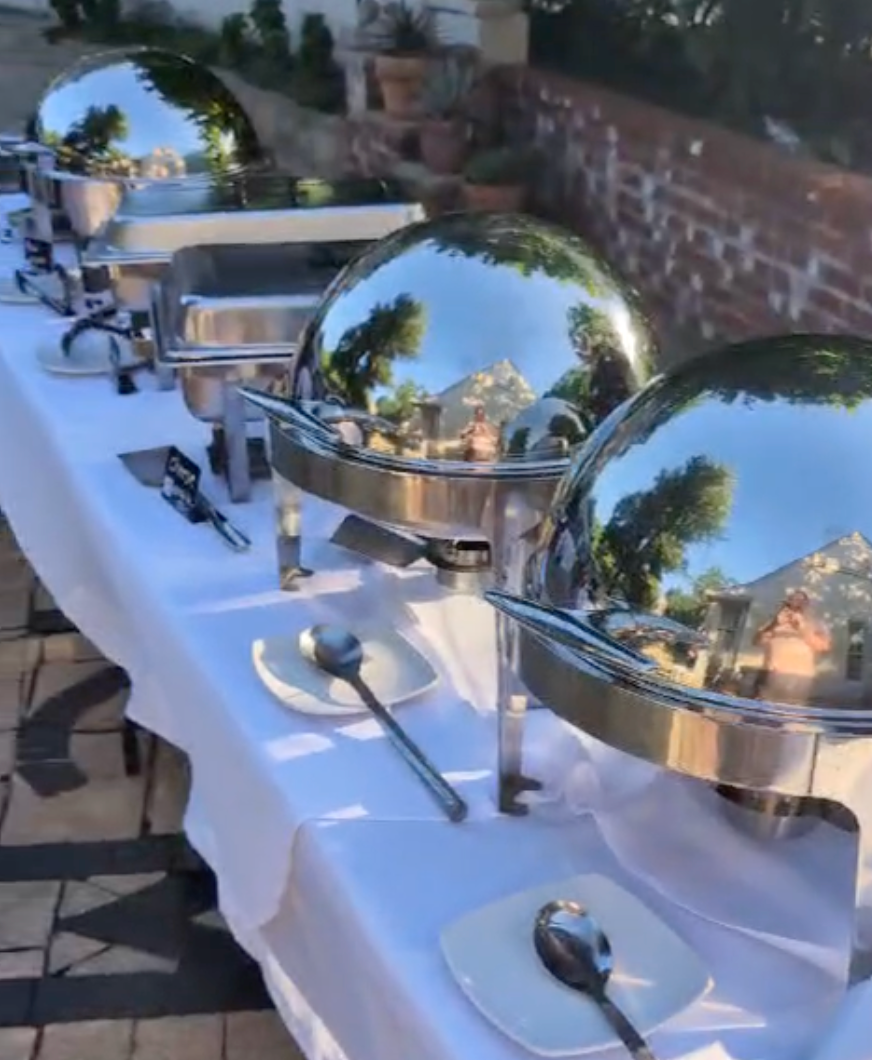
(12,696)
(84,798)
(100,756)
(27,910)
(188,1037)
(101,811)
(132,883)
(20,655)
(122,960)
(168,791)
(70,648)
(68,950)
(92,1040)
(17,1043)
(81,896)
(42,598)
(261,1035)
(21,964)
(89,696)
(15,572)
(7,754)
(14,611)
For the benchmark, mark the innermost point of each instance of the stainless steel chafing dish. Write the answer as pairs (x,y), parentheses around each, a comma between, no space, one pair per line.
(149,227)
(137,117)
(702,593)
(225,315)
(448,376)
(11,177)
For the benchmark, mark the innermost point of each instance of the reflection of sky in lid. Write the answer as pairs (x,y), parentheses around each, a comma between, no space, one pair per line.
(476,315)
(152,123)
(795,485)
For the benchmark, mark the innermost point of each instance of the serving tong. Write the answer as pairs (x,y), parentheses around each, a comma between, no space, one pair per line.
(234,537)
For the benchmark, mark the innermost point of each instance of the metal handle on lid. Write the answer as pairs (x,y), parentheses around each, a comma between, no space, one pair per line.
(292,414)
(569,629)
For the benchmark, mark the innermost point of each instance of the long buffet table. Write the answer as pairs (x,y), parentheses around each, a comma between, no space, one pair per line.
(335,870)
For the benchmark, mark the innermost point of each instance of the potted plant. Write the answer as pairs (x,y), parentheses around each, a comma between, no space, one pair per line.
(496,179)
(444,132)
(406,42)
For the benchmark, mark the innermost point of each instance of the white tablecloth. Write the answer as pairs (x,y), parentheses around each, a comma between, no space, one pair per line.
(335,869)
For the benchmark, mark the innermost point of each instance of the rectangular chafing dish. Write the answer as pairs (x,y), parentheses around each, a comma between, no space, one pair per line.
(11,175)
(230,314)
(136,245)
(227,303)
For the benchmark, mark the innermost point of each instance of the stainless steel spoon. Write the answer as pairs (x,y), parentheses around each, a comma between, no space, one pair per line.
(339,653)
(574,949)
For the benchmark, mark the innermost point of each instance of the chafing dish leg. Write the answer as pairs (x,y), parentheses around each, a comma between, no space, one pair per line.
(164,377)
(236,442)
(513,523)
(860,961)
(288,502)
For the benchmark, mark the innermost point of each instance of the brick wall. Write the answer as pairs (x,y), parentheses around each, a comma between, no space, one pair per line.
(725,237)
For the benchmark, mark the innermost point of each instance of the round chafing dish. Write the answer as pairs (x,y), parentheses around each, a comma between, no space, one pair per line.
(716,527)
(133,117)
(443,385)
(456,357)
(701,596)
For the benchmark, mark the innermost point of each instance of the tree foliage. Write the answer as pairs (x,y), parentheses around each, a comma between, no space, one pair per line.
(806,63)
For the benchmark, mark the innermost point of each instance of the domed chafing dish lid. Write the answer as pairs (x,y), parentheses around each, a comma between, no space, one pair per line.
(145,114)
(473,340)
(719,526)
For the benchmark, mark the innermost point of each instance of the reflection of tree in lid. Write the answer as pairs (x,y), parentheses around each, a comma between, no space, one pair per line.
(649,531)
(556,429)
(797,369)
(527,245)
(604,377)
(363,358)
(400,406)
(229,140)
(610,372)
(90,144)
(572,387)
(689,606)
(380,253)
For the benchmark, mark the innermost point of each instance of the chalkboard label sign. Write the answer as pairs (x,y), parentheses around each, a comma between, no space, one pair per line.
(181,485)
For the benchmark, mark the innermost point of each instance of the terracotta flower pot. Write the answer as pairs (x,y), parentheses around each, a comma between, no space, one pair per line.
(401,82)
(443,145)
(494,198)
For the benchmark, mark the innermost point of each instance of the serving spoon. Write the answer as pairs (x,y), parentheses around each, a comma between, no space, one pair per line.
(575,950)
(338,652)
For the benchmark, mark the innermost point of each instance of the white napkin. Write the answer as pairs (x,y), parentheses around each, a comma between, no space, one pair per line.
(578,773)
(458,635)
(849,1034)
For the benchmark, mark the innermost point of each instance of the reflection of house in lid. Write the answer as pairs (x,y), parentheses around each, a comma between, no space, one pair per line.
(500,390)
(838,581)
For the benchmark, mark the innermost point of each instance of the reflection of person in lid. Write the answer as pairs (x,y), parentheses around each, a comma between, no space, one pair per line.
(791,642)
(481,440)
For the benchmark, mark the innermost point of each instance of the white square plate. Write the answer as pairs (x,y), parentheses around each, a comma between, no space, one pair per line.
(392,667)
(490,953)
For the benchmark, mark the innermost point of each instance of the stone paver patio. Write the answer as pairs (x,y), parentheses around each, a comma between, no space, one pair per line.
(111,946)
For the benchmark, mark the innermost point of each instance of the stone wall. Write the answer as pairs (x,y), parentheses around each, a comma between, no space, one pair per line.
(725,237)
